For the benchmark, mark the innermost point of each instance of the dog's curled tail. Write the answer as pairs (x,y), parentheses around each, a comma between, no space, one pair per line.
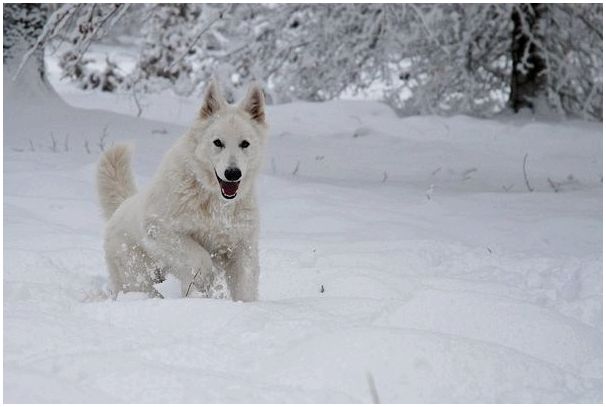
(115,180)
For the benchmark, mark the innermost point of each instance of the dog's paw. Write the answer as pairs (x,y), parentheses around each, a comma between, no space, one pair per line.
(217,286)
(209,285)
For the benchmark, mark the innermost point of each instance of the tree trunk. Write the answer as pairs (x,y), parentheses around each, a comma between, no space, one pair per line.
(528,80)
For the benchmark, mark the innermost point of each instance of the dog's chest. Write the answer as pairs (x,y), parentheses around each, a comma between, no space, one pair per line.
(223,230)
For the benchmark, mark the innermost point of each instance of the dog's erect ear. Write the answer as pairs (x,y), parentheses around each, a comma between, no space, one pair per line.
(254,104)
(213,101)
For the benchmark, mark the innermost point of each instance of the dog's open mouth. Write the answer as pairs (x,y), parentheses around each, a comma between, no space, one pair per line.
(229,189)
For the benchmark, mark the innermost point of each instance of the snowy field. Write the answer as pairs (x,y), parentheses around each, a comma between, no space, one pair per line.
(404,255)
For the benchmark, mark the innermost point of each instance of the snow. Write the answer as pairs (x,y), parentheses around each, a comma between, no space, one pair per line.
(407,250)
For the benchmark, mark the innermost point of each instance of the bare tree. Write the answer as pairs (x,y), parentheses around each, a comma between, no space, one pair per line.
(428,58)
(22,25)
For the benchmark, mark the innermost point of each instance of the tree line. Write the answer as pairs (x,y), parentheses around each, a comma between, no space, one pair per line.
(476,59)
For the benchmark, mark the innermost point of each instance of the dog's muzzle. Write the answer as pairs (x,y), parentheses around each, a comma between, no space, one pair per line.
(229,189)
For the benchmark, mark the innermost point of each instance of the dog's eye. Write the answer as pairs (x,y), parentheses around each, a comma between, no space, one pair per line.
(218,143)
(244,144)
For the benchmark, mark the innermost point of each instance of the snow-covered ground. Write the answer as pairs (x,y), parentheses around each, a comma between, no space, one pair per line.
(404,254)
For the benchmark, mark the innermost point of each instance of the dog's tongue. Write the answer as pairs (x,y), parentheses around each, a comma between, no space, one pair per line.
(229,188)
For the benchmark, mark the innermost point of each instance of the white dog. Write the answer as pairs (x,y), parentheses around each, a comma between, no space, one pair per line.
(200,208)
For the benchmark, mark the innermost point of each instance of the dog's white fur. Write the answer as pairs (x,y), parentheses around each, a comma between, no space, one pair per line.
(182,223)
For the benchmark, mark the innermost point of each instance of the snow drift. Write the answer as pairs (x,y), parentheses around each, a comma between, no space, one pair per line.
(402,254)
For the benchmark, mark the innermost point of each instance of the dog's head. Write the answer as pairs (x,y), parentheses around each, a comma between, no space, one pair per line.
(229,141)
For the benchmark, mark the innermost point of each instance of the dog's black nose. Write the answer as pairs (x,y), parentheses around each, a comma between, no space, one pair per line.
(233,174)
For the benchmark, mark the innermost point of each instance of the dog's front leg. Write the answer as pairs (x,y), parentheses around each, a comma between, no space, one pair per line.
(243,273)
(182,255)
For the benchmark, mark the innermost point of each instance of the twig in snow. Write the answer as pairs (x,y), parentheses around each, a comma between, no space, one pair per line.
(467,173)
(554,185)
(322,289)
(101,143)
(192,283)
(434,172)
(66,143)
(384,177)
(31,145)
(53,143)
(507,188)
(525,174)
(296,170)
(373,389)
(557,186)
(136,99)
(273,165)
(86,147)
